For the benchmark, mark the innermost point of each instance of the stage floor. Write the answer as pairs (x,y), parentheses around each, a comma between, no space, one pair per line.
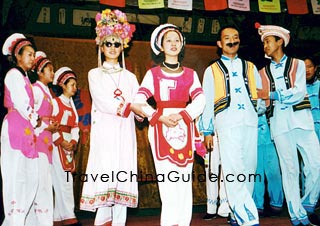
(134,219)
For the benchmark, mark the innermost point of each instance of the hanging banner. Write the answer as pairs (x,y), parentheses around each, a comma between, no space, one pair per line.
(117,3)
(297,7)
(151,4)
(215,4)
(180,4)
(241,5)
(268,6)
(315,6)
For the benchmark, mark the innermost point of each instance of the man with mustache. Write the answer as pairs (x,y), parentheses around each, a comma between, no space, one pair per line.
(229,85)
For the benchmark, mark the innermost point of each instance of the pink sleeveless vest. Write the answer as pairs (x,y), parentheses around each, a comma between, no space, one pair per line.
(44,140)
(21,132)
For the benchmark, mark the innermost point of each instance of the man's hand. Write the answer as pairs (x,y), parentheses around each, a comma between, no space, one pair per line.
(263,94)
(208,142)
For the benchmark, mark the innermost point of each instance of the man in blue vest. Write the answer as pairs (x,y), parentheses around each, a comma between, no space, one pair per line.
(291,124)
(229,85)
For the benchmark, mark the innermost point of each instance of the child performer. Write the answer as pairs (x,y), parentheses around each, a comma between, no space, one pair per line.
(65,143)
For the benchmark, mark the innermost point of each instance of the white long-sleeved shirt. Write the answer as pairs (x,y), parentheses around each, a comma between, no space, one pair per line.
(240,110)
(284,118)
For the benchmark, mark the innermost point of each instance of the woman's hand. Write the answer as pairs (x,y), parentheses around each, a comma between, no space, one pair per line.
(138,110)
(67,145)
(53,127)
(175,117)
(170,120)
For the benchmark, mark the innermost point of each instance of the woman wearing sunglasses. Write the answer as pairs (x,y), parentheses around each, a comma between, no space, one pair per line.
(110,189)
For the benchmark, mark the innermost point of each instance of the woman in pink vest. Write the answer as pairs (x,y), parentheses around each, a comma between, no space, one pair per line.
(19,157)
(43,209)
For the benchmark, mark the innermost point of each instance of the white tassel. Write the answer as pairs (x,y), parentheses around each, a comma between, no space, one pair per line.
(99,57)
(123,61)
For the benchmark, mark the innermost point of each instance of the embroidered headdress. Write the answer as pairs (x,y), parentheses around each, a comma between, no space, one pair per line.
(14,43)
(62,74)
(267,30)
(158,33)
(113,22)
(41,61)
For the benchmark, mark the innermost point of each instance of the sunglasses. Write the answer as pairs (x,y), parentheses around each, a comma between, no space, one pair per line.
(109,44)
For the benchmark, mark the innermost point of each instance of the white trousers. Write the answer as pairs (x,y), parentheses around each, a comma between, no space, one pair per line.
(238,151)
(117,214)
(20,182)
(175,188)
(63,190)
(215,189)
(308,145)
(41,213)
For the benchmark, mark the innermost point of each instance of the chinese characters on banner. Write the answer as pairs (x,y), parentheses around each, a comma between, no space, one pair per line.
(269,6)
(180,4)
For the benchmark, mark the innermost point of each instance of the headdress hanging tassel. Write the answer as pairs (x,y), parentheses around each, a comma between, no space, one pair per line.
(123,61)
(99,56)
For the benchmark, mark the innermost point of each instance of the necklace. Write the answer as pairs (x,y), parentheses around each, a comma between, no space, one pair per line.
(117,92)
(171,67)
(111,70)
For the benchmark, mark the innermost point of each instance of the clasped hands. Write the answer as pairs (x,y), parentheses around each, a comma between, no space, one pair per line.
(170,120)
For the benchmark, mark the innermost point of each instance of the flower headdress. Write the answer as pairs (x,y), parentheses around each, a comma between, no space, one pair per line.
(113,22)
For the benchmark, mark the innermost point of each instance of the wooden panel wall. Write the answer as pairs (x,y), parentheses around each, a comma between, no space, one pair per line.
(81,55)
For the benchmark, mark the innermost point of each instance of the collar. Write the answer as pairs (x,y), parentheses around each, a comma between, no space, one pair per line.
(65,100)
(280,64)
(108,65)
(223,57)
(111,68)
(312,80)
(46,88)
(23,72)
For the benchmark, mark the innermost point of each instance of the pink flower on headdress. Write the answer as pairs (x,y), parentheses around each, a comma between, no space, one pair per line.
(113,22)
(98,17)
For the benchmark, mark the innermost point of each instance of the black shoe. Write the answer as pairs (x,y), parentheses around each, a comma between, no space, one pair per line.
(314,219)
(209,216)
(317,207)
(75,224)
(261,213)
(229,218)
(275,211)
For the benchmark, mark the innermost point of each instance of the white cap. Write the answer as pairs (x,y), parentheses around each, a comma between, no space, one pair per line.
(41,61)
(267,30)
(62,74)
(14,43)
(158,33)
